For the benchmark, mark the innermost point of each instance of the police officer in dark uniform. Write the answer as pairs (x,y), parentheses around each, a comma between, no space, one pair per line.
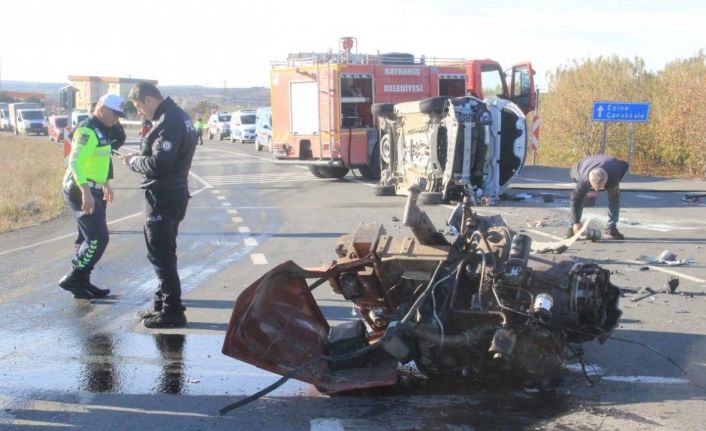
(164,162)
(87,191)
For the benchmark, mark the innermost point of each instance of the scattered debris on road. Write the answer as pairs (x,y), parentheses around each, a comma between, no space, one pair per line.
(666,258)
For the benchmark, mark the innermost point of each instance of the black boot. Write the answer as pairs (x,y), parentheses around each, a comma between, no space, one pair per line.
(173,317)
(74,283)
(96,291)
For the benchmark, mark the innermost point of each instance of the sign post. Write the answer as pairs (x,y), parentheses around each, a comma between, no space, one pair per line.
(620,112)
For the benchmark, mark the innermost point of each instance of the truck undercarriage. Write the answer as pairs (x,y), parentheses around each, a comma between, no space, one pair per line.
(475,304)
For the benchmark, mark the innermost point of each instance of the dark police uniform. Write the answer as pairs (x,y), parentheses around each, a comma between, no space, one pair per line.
(616,170)
(164,162)
(89,163)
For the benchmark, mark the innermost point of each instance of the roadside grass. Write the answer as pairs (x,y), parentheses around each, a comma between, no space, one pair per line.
(31,170)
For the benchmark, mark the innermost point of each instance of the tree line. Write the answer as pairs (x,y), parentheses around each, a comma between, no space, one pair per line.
(672,142)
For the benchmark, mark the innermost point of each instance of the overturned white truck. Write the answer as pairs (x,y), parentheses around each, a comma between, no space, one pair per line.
(461,146)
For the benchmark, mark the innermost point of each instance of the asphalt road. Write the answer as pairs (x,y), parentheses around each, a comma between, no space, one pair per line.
(90,365)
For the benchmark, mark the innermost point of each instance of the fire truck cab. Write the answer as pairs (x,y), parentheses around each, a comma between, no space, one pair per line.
(321,103)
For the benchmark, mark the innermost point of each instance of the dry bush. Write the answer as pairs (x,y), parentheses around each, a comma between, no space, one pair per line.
(673,142)
(31,170)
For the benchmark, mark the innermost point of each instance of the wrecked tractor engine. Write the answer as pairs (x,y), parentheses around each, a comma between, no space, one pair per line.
(479,305)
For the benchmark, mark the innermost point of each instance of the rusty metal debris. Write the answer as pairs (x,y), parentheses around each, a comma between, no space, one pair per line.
(473,304)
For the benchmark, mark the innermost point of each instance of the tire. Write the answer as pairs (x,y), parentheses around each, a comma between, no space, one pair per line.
(210,135)
(433,104)
(258,145)
(385,190)
(315,171)
(430,198)
(386,149)
(383,109)
(333,171)
(220,136)
(372,171)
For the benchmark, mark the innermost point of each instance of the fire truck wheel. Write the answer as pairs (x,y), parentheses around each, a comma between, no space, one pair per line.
(315,171)
(372,171)
(333,171)
(388,190)
(383,109)
(430,198)
(432,104)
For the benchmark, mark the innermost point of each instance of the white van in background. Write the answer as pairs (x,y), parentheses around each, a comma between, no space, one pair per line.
(242,126)
(263,128)
(32,121)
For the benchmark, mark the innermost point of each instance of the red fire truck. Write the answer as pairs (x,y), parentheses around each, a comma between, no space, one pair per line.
(322,112)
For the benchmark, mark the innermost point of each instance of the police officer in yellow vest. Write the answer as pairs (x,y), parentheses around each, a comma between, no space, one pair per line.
(87,191)
(199,126)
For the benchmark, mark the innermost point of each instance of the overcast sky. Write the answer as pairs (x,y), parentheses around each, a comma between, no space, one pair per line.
(212,43)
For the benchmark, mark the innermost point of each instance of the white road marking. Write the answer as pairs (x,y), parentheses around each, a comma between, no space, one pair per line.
(263,178)
(326,424)
(232,211)
(214,191)
(595,370)
(244,229)
(229,162)
(237,219)
(653,380)
(226,204)
(548,235)
(646,196)
(221,198)
(672,272)
(70,235)
(258,259)
(250,242)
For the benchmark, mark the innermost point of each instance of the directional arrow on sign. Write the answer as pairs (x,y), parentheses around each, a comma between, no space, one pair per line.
(600,111)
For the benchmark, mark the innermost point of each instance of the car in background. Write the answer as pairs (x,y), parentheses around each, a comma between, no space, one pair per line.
(461,146)
(5,119)
(58,125)
(263,128)
(219,125)
(242,127)
(32,121)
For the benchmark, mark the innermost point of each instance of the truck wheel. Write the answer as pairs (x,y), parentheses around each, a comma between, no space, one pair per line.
(383,109)
(372,171)
(210,135)
(433,104)
(220,135)
(333,171)
(430,198)
(258,145)
(315,171)
(388,190)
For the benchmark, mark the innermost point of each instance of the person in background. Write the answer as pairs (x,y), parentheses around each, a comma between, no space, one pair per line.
(87,191)
(199,126)
(145,128)
(597,172)
(164,162)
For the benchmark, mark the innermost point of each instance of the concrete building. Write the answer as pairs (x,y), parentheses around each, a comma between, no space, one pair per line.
(90,88)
